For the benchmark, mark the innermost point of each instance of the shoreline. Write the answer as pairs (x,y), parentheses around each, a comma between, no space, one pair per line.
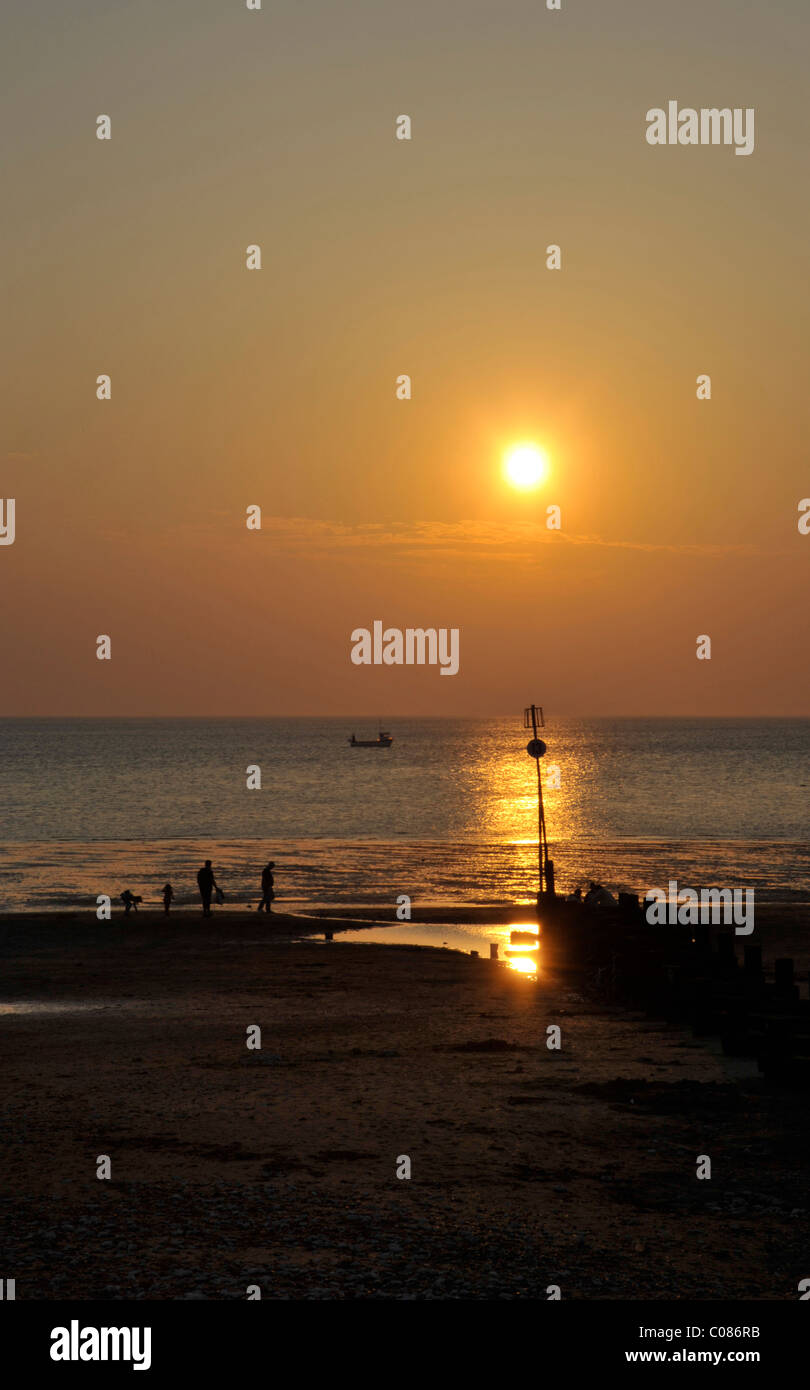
(343,875)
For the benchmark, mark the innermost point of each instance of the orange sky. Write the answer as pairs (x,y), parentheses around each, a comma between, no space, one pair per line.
(383,257)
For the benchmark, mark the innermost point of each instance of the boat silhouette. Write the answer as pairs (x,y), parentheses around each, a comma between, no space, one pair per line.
(383,740)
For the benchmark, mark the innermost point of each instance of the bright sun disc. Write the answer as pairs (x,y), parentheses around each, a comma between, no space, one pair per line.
(525,465)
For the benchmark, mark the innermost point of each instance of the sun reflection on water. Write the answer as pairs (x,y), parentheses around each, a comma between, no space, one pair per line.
(507,804)
(522,954)
(517,943)
(524,965)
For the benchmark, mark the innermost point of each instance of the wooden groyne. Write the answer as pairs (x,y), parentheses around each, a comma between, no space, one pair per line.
(704,976)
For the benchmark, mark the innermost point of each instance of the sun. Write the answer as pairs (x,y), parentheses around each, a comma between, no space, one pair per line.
(525,466)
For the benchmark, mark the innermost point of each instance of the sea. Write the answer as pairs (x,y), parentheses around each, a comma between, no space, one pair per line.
(446,815)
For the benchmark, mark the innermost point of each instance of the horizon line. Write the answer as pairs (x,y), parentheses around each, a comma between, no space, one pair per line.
(388,717)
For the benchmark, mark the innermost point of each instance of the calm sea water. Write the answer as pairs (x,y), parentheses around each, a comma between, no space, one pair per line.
(447,814)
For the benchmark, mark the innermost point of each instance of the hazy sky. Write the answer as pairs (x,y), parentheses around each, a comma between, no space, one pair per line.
(380,257)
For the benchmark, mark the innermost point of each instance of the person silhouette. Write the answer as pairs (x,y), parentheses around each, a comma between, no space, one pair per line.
(599,896)
(130,901)
(206,884)
(267,887)
(168,894)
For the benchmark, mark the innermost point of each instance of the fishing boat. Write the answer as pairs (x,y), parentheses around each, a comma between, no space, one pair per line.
(383,740)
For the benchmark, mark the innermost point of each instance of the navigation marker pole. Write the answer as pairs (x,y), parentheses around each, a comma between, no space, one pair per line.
(536,749)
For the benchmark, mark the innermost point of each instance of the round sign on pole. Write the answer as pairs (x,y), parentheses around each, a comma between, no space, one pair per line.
(536,748)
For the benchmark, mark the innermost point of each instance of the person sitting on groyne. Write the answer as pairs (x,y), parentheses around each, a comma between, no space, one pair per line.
(598,896)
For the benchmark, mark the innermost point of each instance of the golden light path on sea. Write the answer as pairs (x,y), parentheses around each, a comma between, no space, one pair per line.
(506,809)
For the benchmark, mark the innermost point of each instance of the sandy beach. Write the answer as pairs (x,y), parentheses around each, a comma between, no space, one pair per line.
(277,1167)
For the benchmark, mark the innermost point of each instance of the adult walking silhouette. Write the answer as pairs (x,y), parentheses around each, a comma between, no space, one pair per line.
(206,884)
(268,893)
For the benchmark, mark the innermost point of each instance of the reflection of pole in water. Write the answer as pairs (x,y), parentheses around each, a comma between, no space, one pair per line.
(536,749)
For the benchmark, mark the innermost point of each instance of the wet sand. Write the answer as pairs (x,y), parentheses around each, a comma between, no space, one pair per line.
(278,1167)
